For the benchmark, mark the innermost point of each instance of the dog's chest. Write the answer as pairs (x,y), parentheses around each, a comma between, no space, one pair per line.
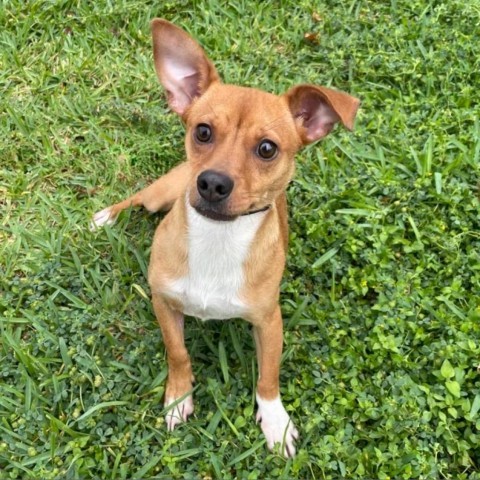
(216,257)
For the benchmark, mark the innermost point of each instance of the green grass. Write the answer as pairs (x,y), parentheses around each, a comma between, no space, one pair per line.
(381,293)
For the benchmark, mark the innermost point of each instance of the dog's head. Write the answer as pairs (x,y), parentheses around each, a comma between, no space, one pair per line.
(240,141)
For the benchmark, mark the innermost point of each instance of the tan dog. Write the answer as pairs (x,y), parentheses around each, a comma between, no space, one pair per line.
(220,251)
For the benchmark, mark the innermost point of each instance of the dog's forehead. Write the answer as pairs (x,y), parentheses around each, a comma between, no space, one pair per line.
(234,106)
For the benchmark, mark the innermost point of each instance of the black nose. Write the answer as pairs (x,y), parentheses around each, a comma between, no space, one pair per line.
(214,186)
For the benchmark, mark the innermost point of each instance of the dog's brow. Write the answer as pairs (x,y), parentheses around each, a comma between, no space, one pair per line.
(278,121)
(210,106)
(210,111)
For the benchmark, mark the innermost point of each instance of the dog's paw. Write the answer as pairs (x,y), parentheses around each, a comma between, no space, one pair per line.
(276,425)
(101,218)
(179,412)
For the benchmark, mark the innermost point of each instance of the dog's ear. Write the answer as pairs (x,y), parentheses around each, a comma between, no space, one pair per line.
(317,109)
(181,65)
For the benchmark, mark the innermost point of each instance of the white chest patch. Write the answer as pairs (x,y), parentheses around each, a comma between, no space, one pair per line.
(216,255)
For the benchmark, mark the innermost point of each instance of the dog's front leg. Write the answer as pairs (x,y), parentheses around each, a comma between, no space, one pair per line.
(157,197)
(179,383)
(274,420)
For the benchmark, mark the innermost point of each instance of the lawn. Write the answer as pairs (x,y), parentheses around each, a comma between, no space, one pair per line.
(381,293)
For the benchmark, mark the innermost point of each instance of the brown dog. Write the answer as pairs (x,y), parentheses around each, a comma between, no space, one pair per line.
(220,251)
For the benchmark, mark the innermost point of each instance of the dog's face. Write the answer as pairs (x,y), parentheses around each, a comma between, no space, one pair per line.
(240,141)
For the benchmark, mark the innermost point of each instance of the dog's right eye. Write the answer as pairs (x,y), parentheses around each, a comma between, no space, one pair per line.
(203,133)
(267,150)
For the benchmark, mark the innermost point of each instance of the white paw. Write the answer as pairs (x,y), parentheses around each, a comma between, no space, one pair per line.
(179,412)
(276,425)
(101,218)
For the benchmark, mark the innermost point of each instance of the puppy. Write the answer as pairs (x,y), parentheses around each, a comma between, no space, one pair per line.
(220,251)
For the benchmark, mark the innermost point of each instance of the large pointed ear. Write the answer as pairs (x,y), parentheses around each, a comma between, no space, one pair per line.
(317,109)
(181,64)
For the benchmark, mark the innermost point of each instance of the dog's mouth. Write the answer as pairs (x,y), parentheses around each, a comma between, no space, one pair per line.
(213,214)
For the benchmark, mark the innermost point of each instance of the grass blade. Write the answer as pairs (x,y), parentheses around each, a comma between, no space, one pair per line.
(328,255)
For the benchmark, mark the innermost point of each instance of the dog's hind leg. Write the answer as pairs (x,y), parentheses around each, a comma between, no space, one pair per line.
(159,196)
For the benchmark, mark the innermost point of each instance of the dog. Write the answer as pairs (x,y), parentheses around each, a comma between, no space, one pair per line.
(219,253)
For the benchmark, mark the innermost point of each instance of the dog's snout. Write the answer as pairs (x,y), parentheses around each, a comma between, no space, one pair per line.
(214,186)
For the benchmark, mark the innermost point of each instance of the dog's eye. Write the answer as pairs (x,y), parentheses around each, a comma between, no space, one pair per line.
(267,150)
(203,133)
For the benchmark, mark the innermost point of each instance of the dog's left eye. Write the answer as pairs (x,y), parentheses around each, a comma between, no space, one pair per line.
(203,133)
(267,150)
